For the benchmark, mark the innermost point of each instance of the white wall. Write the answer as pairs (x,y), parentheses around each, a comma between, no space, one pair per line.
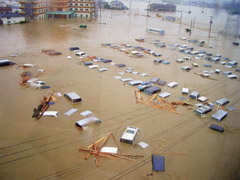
(13,20)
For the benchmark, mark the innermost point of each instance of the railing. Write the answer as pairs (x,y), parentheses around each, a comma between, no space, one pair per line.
(37,13)
(42,7)
(84,11)
(90,2)
(81,7)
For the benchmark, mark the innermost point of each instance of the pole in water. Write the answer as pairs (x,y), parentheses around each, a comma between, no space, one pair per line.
(181,19)
(210,26)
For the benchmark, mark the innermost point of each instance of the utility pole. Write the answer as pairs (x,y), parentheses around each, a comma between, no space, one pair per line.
(148,8)
(191,27)
(181,19)
(210,26)
(194,21)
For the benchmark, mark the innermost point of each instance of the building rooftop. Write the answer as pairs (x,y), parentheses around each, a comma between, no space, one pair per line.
(12,15)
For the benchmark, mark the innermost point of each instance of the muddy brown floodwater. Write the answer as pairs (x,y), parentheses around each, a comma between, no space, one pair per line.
(48,148)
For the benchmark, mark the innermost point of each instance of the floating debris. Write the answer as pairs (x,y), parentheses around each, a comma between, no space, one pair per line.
(51,52)
(156,102)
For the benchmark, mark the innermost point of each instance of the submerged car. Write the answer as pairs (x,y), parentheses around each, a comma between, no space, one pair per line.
(73,97)
(129,135)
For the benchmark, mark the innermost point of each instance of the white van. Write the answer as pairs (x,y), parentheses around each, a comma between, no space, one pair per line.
(129,135)
(73,97)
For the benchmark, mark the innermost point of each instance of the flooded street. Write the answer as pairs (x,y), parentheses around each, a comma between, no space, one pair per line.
(48,148)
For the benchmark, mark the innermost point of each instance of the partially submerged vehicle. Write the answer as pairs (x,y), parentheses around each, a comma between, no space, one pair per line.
(102,69)
(215,59)
(51,52)
(231,64)
(84,122)
(152,90)
(126,79)
(219,115)
(157,61)
(222,101)
(202,110)
(51,113)
(217,71)
(232,76)
(93,66)
(194,52)
(161,82)
(186,68)
(187,58)
(134,83)
(154,30)
(179,60)
(35,83)
(81,54)
(88,63)
(106,60)
(145,85)
(194,95)
(216,128)
(207,65)
(195,64)
(227,72)
(121,65)
(154,80)
(164,94)
(6,62)
(185,91)
(202,99)
(129,135)
(73,97)
(166,62)
(172,84)
(74,48)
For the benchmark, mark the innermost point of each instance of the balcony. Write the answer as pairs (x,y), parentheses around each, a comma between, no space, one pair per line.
(23,2)
(56,6)
(38,13)
(64,1)
(89,7)
(84,2)
(43,7)
(84,11)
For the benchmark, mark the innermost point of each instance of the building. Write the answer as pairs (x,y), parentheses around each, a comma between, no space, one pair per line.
(34,9)
(162,7)
(40,9)
(83,8)
(12,18)
(5,10)
(117,5)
